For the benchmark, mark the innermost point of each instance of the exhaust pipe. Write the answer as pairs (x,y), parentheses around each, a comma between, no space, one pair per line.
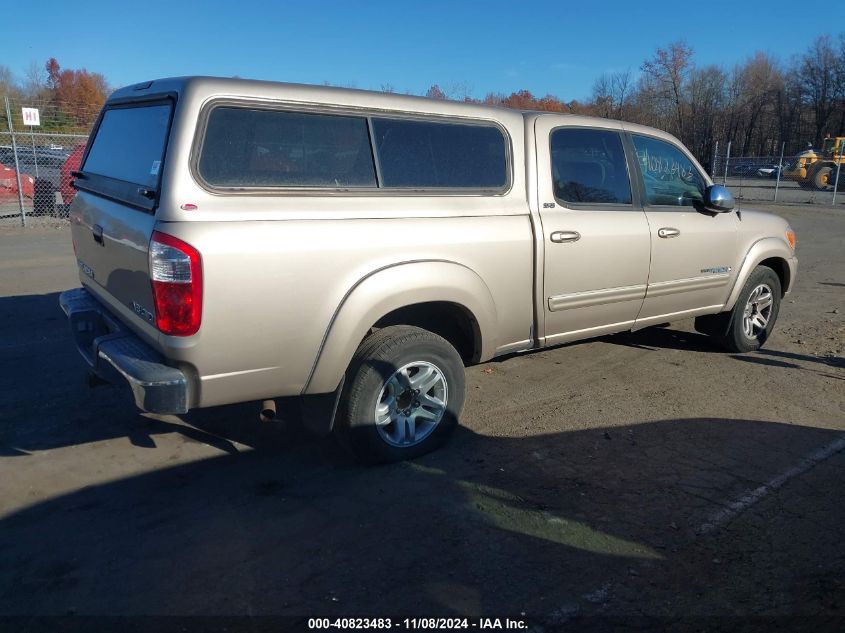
(268,411)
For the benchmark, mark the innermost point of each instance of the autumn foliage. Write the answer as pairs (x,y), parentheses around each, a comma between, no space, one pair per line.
(77,94)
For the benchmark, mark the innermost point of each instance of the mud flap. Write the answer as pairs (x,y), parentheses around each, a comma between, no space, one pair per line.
(714,324)
(317,412)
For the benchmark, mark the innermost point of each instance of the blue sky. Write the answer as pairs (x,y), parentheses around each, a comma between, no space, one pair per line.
(547,47)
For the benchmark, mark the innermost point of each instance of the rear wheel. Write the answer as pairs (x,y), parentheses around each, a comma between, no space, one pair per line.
(403,393)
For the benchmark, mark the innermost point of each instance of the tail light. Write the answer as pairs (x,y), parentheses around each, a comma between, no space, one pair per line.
(176,276)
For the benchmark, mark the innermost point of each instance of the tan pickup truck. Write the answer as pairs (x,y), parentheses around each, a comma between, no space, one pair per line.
(242,240)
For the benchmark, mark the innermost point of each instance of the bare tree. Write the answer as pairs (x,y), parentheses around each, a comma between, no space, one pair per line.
(435,92)
(602,97)
(759,79)
(706,94)
(8,85)
(459,91)
(820,84)
(840,74)
(610,92)
(35,80)
(669,69)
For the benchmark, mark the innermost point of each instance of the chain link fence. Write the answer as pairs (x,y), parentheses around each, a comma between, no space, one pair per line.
(36,161)
(775,179)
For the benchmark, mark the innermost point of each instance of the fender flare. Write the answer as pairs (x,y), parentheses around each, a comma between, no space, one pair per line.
(763,249)
(386,289)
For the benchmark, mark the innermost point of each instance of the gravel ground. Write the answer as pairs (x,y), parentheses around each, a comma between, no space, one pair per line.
(636,482)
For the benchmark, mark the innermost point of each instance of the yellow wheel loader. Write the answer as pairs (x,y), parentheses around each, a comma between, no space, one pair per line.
(814,169)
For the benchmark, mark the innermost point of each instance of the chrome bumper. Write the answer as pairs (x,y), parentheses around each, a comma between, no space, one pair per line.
(114,353)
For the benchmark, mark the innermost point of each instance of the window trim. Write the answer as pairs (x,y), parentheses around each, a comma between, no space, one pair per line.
(122,190)
(595,206)
(331,110)
(641,179)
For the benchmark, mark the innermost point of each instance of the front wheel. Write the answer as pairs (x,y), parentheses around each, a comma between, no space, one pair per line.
(755,312)
(821,179)
(403,393)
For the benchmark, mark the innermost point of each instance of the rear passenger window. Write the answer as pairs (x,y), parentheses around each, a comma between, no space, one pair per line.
(273,148)
(669,177)
(588,166)
(426,154)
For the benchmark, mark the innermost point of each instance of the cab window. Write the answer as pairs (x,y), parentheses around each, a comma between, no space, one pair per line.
(588,167)
(669,177)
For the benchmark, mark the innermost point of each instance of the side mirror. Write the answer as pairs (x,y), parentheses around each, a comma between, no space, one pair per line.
(718,199)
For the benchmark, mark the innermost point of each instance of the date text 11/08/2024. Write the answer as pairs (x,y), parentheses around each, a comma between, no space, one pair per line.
(436,624)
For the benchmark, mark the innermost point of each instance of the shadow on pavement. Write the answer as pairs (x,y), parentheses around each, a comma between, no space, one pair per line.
(662,337)
(487,525)
(290,526)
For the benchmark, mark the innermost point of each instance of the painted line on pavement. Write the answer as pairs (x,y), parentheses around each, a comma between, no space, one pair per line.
(740,505)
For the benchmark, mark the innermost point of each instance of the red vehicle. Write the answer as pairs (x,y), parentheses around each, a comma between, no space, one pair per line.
(71,164)
(9,184)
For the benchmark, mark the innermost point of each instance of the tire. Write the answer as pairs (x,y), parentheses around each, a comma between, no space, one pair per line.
(821,179)
(382,373)
(740,335)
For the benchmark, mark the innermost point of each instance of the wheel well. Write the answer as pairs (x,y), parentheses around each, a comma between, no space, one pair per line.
(449,320)
(781,268)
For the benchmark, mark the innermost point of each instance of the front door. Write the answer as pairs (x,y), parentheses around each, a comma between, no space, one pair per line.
(596,236)
(693,253)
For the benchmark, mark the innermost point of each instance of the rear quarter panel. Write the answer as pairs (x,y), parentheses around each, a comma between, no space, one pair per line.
(273,287)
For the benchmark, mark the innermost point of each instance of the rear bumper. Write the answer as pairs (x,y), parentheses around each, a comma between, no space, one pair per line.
(116,354)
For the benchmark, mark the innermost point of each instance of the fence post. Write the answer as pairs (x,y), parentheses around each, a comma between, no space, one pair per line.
(34,155)
(727,160)
(780,169)
(17,164)
(836,182)
(715,157)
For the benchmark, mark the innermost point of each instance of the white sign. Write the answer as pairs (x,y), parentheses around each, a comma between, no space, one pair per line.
(31,116)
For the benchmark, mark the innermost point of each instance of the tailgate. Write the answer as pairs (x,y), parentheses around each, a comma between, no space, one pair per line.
(113,213)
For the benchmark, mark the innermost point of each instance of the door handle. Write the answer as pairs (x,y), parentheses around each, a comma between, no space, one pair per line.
(668,231)
(97,232)
(562,237)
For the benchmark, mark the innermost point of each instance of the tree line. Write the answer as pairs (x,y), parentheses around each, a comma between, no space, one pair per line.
(756,105)
(69,99)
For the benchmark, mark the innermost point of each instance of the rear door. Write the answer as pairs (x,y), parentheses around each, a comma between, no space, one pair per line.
(692,252)
(595,232)
(113,213)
